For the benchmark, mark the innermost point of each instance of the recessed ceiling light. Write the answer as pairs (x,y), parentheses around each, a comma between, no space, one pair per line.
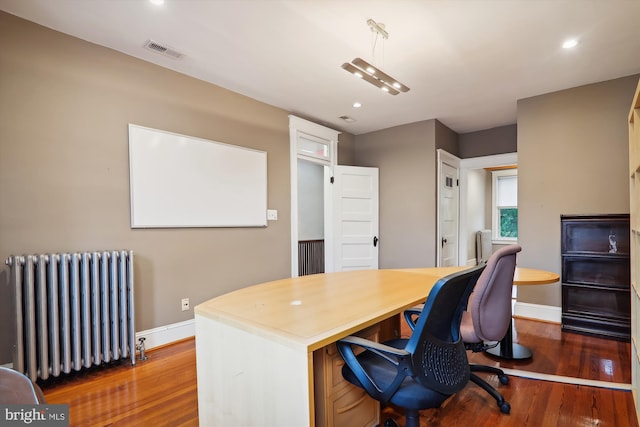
(157,2)
(357,104)
(571,43)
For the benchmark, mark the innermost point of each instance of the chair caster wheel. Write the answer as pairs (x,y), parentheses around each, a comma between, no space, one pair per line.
(505,408)
(504,380)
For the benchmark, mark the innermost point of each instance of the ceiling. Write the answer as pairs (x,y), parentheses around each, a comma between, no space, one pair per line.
(467,62)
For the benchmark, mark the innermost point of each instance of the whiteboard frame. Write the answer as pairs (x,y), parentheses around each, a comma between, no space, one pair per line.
(179,181)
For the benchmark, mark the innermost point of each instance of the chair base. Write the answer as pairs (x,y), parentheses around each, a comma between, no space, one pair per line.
(412,419)
(504,406)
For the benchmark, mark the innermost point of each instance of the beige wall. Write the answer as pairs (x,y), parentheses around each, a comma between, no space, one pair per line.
(572,159)
(64,175)
(406,157)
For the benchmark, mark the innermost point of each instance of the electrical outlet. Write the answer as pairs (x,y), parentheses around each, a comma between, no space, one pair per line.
(185,304)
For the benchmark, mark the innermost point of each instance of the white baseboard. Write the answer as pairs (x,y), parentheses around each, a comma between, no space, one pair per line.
(166,334)
(547,313)
(159,336)
(471,262)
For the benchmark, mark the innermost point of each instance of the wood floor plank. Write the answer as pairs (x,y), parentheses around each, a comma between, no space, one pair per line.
(162,391)
(566,354)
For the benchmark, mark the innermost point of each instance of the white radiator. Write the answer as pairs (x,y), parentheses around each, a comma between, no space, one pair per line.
(72,311)
(483,246)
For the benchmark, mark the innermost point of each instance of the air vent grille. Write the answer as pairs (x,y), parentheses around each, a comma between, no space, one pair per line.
(347,119)
(163,50)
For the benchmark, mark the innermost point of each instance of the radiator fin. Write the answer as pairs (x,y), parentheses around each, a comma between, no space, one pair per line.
(72,311)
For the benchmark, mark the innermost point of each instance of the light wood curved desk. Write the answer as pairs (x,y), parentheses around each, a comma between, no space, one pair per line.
(254,346)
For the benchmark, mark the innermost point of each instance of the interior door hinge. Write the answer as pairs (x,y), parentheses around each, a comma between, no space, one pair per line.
(331,180)
(457,183)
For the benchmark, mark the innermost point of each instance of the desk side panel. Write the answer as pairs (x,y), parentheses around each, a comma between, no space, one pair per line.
(247,380)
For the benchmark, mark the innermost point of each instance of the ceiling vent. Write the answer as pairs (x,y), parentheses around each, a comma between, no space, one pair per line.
(163,50)
(347,119)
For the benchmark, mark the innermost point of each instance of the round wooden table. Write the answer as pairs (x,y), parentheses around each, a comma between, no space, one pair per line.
(507,349)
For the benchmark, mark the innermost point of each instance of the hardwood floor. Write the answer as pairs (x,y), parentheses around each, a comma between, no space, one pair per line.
(161,391)
(567,354)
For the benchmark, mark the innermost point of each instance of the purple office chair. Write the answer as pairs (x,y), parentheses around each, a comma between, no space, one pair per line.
(488,315)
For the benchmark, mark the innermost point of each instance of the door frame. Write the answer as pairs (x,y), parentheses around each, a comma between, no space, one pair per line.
(299,128)
(465,166)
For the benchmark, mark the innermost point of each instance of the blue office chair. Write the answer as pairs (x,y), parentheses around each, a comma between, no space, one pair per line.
(422,371)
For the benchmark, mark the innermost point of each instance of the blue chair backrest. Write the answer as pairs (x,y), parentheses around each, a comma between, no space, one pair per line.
(439,356)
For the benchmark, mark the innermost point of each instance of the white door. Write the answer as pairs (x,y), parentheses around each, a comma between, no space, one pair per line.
(351,218)
(448,215)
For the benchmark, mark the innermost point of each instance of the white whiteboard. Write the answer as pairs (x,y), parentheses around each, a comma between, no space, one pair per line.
(182,181)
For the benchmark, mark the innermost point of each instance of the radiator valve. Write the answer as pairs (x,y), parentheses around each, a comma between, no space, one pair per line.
(141,349)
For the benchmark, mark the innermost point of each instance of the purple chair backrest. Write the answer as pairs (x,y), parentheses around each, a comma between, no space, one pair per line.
(490,306)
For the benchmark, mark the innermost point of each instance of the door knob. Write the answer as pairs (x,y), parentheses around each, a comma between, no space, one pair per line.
(443,241)
(375,241)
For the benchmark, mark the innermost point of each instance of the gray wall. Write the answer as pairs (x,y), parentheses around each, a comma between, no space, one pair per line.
(346,149)
(446,139)
(572,159)
(406,157)
(489,142)
(64,174)
(64,111)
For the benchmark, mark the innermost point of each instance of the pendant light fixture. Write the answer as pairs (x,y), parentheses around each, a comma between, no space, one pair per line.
(369,73)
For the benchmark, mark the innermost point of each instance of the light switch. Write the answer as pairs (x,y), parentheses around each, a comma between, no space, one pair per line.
(272,214)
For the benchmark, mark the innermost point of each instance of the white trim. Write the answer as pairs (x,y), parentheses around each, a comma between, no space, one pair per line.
(472,262)
(293,176)
(301,126)
(314,129)
(465,166)
(504,242)
(489,161)
(546,313)
(159,336)
(566,380)
(167,334)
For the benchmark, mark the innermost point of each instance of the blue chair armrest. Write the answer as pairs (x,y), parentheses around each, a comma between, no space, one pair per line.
(411,316)
(398,358)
